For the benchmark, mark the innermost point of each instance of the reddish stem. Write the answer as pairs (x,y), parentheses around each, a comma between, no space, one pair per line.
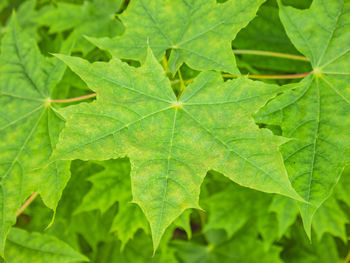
(293,76)
(75,99)
(27,203)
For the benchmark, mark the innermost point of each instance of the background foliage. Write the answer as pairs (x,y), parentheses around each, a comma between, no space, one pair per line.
(92,205)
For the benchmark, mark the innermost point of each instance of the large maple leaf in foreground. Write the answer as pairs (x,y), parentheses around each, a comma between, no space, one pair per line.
(172,142)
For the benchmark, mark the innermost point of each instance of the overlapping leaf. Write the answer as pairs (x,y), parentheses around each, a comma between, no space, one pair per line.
(198,32)
(3,5)
(29,127)
(172,142)
(91,226)
(138,250)
(286,211)
(225,211)
(316,115)
(110,186)
(244,247)
(330,218)
(25,247)
(94,19)
(300,249)
(26,17)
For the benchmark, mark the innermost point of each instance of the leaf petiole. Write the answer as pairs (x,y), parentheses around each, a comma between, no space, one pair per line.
(26,203)
(184,82)
(165,64)
(269,54)
(88,96)
(292,76)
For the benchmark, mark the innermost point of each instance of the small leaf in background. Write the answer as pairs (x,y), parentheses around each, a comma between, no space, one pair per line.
(25,247)
(113,185)
(92,18)
(243,247)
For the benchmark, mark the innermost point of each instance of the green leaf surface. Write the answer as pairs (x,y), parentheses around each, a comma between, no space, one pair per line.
(93,19)
(92,226)
(198,32)
(128,221)
(169,159)
(316,115)
(225,211)
(138,250)
(137,114)
(299,249)
(342,189)
(84,231)
(26,17)
(26,14)
(23,247)
(244,247)
(3,4)
(109,186)
(286,211)
(330,218)
(29,127)
(184,222)
(113,185)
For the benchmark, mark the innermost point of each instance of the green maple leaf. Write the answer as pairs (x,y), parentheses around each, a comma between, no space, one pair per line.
(3,4)
(243,247)
(184,222)
(110,186)
(343,187)
(113,185)
(29,127)
(297,248)
(316,115)
(235,206)
(25,247)
(70,226)
(128,221)
(112,179)
(26,14)
(138,250)
(286,212)
(330,218)
(172,142)
(94,19)
(198,32)
(26,17)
